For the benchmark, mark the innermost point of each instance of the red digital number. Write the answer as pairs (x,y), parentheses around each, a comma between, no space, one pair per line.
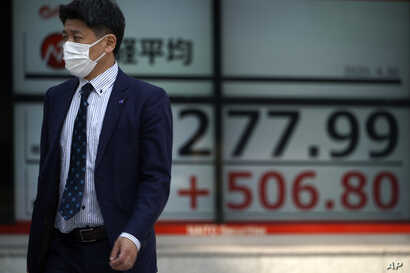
(280,182)
(247,196)
(354,196)
(358,190)
(298,189)
(351,189)
(391,178)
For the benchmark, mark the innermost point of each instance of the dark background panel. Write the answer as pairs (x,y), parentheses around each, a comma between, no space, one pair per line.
(6,120)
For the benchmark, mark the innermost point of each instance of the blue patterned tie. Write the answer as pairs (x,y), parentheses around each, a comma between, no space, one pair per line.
(74,187)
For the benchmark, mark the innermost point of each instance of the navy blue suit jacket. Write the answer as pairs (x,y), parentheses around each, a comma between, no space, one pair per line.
(132,168)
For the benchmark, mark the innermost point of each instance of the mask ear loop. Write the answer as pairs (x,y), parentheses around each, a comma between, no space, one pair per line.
(96,42)
(99,58)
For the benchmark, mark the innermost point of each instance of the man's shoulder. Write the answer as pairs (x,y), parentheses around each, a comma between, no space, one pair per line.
(62,87)
(145,89)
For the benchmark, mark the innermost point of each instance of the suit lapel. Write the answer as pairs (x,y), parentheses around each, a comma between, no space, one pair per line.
(62,106)
(114,108)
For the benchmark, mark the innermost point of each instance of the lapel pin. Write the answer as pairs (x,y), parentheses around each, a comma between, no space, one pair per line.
(121,101)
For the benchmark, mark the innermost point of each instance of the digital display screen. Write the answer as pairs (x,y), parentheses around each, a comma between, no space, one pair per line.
(311,120)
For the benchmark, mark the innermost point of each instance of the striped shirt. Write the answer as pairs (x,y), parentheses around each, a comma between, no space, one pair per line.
(90,213)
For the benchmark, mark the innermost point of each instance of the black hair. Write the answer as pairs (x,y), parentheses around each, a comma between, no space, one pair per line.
(102,16)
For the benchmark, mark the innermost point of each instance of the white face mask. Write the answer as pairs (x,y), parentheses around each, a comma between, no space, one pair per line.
(77,58)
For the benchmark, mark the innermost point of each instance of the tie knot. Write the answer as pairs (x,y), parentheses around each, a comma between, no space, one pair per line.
(86,90)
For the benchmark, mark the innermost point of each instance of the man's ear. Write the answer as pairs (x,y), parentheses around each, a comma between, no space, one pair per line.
(111,42)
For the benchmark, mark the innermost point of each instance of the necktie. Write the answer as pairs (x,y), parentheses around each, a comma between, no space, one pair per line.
(74,188)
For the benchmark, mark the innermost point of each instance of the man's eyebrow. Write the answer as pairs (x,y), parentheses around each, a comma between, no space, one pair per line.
(72,31)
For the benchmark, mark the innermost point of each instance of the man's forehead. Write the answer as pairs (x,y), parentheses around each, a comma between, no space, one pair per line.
(75,26)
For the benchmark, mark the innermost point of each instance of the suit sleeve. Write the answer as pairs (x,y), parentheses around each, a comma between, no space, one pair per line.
(43,152)
(44,128)
(155,166)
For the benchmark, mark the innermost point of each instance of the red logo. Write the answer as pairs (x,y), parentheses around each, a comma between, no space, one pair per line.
(52,51)
(46,12)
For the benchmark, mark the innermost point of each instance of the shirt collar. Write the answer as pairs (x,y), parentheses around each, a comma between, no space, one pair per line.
(104,80)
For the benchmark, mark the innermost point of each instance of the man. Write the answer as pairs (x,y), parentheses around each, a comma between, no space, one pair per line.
(106,144)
